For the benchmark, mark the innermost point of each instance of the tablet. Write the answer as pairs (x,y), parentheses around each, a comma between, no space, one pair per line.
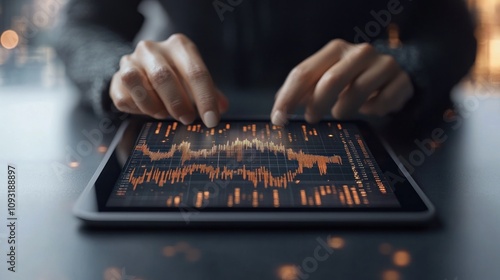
(246,172)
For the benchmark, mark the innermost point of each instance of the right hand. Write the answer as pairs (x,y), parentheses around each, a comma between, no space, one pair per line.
(167,78)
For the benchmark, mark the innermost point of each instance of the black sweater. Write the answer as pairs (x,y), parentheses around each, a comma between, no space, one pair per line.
(257,42)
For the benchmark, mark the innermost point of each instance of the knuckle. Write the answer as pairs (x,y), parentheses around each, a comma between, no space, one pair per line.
(363,50)
(174,101)
(338,43)
(144,45)
(124,59)
(206,99)
(390,62)
(122,104)
(331,78)
(139,93)
(198,73)
(176,104)
(366,48)
(161,75)
(130,77)
(178,38)
(299,73)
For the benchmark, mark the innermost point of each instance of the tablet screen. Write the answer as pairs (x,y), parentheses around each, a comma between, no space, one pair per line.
(252,165)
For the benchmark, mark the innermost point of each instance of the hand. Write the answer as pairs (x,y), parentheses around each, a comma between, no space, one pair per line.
(168,78)
(343,79)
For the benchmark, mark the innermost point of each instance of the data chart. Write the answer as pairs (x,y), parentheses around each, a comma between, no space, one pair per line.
(251,165)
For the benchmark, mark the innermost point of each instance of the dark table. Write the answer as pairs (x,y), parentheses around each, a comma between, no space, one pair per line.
(41,123)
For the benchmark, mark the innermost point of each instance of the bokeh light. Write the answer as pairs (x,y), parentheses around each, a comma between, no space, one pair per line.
(9,39)
(190,253)
(102,149)
(336,242)
(401,258)
(287,272)
(391,275)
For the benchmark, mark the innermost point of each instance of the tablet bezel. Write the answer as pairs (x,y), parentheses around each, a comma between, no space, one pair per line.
(416,207)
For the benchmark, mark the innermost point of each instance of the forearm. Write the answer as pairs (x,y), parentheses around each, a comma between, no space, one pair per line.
(436,56)
(91,42)
(91,56)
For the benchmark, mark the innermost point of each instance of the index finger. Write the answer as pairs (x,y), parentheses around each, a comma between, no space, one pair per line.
(190,66)
(303,78)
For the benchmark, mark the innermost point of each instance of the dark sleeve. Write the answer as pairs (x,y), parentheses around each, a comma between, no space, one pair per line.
(438,49)
(90,42)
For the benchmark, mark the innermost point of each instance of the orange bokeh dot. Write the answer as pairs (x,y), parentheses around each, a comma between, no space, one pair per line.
(102,149)
(336,242)
(9,39)
(288,272)
(401,258)
(390,275)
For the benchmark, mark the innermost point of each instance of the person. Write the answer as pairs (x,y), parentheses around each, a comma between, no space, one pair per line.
(396,58)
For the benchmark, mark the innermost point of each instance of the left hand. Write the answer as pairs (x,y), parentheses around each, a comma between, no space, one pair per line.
(343,79)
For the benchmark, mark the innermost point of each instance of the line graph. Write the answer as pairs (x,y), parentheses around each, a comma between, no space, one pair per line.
(235,148)
(253,164)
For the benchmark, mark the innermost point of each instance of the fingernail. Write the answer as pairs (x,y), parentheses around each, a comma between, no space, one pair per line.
(210,119)
(278,118)
(185,120)
(161,116)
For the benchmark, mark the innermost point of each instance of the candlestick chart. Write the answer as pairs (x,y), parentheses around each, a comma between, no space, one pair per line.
(251,165)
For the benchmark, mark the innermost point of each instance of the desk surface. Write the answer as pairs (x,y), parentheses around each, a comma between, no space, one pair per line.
(42,125)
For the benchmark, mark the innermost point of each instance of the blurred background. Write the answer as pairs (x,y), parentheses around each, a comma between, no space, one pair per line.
(25,28)
(24,43)
(33,80)
(487,15)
